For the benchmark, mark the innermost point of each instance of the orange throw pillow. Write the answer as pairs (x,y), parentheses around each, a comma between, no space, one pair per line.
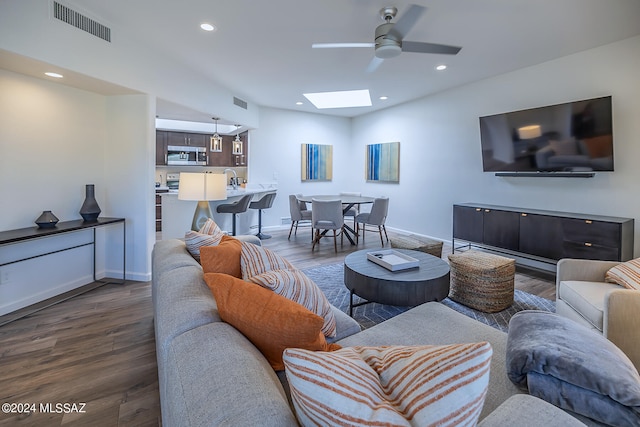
(224,258)
(270,321)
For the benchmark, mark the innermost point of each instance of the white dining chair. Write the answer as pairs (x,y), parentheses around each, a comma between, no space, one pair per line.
(299,216)
(377,217)
(355,210)
(326,215)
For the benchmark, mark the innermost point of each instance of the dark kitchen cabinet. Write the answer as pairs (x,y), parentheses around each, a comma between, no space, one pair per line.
(161,147)
(220,158)
(185,138)
(547,235)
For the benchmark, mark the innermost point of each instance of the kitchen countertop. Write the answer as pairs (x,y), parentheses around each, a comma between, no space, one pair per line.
(230,191)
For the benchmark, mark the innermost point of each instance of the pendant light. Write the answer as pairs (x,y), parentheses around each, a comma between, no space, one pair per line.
(216,140)
(237,143)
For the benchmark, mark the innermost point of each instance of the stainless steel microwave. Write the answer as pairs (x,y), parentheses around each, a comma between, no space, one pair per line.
(186,155)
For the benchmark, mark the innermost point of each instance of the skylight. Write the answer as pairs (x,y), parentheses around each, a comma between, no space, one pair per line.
(340,99)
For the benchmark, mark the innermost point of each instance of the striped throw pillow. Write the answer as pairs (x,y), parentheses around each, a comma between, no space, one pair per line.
(209,235)
(626,274)
(296,286)
(395,385)
(195,240)
(210,227)
(256,260)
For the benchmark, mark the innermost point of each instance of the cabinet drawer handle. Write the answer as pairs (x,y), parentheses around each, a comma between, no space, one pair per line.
(588,244)
(524,214)
(487,210)
(588,221)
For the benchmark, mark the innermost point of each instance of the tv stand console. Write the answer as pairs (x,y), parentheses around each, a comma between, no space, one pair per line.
(545,236)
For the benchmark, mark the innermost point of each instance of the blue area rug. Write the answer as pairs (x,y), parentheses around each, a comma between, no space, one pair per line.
(330,279)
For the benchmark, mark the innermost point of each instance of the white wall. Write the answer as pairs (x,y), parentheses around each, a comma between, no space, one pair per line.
(440,152)
(275,155)
(53,141)
(27,28)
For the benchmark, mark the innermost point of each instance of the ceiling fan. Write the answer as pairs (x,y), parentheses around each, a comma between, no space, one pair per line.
(389,37)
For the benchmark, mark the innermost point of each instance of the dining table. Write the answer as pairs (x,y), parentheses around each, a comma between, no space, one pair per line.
(348,201)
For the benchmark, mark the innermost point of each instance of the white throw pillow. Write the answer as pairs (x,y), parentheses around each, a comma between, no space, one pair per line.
(395,385)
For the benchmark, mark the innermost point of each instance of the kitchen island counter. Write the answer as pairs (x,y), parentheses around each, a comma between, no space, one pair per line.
(178,214)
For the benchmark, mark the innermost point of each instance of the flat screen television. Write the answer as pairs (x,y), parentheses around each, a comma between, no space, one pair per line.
(570,138)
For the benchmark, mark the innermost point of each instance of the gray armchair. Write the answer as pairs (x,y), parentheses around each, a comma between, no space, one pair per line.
(612,310)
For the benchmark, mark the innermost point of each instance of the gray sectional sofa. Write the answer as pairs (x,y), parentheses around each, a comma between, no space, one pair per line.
(211,375)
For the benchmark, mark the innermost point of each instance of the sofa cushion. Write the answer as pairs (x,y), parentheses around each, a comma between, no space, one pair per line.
(390,385)
(529,411)
(586,298)
(223,258)
(626,274)
(270,321)
(257,260)
(216,377)
(296,286)
(573,367)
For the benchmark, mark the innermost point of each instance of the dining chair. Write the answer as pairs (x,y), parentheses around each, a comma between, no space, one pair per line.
(326,215)
(355,210)
(377,217)
(298,215)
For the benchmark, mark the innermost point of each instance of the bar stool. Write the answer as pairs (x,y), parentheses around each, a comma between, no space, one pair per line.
(265,202)
(239,206)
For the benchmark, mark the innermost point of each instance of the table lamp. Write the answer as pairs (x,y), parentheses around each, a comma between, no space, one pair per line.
(202,187)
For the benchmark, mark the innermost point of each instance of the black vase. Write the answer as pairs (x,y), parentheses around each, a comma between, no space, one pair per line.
(90,209)
(47,220)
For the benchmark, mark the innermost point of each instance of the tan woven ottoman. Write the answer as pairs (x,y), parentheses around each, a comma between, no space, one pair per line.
(418,243)
(482,281)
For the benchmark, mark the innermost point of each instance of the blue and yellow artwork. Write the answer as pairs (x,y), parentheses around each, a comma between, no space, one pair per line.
(383,162)
(317,162)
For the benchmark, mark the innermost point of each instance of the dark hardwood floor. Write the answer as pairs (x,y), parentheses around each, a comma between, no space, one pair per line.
(98,348)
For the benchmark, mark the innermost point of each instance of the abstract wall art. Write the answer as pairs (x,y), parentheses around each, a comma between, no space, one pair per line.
(317,162)
(383,162)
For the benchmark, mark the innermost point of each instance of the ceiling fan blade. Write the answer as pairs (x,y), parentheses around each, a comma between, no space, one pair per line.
(340,45)
(421,47)
(374,64)
(407,21)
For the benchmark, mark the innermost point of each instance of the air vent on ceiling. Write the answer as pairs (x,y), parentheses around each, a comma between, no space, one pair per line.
(240,103)
(78,20)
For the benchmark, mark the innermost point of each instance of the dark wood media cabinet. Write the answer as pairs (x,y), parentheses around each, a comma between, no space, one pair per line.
(545,236)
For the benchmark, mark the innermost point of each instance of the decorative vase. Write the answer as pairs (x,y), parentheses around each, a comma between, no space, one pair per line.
(47,220)
(90,209)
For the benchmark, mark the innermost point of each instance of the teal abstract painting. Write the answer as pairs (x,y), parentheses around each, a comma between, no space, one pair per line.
(317,162)
(383,162)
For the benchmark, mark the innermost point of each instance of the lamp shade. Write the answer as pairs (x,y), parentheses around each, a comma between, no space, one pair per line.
(529,132)
(202,186)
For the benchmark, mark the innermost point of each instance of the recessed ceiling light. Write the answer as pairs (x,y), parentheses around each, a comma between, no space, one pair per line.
(55,75)
(340,99)
(299,103)
(441,67)
(207,27)
(384,98)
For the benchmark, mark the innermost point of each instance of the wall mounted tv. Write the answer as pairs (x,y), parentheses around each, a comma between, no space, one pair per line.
(570,139)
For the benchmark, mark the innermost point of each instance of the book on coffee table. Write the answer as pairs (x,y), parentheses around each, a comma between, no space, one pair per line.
(392,260)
